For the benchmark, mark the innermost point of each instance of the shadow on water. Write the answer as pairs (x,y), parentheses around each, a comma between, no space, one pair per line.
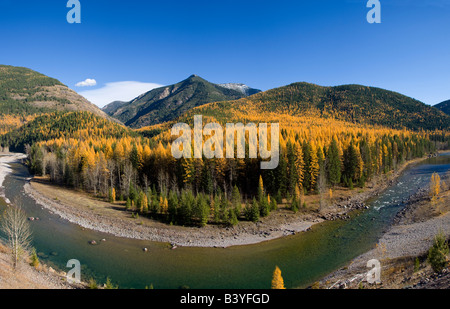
(303,258)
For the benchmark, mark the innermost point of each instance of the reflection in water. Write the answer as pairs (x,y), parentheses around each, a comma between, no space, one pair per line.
(303,258)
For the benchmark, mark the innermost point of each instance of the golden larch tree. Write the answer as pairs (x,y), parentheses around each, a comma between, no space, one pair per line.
(277,280)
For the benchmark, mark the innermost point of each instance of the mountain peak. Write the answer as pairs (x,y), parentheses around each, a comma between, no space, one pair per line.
(194,77)
(167,103)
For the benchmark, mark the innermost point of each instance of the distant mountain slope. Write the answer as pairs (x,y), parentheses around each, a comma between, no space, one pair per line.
(241,88)
(351,103)
(444,106)
(24,92)
(167,103)
(112,107)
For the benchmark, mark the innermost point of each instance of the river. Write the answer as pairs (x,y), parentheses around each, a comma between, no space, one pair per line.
(303,258)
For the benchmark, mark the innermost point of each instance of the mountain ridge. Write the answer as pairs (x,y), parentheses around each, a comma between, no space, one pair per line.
(248,91)
(168,102)
(352,103)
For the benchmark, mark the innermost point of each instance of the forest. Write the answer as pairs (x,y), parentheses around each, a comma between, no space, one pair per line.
(121,165)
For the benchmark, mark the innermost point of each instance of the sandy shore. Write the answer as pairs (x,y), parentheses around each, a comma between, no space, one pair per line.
(5,169)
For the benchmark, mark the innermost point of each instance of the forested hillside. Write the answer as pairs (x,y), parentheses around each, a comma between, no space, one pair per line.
(26,92)
(351,103)
(444,106)
(79,125)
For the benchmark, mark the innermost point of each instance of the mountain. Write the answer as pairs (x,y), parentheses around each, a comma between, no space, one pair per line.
(244,89)
(25,92)
(444,106)
(350,103)
(167,103)
(113,106)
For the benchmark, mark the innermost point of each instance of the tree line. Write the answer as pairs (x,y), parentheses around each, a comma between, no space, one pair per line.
(142,173)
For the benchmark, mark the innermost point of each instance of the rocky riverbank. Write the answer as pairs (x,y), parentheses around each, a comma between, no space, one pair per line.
(402,247)
(121,224)
(28,277)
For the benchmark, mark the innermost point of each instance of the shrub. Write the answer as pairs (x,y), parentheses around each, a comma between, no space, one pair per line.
(34,259)
(437,255)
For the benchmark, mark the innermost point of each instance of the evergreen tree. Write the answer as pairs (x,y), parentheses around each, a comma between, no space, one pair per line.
(236,199)
(252,213)
(306,147)
(353,164)
(437,255)
(333,164)
(134,157)
(216,211)
(295,204)
(264,207)
(207,180)
(232,218)
(172,205)
(273,204)
(281,175)
(202,210)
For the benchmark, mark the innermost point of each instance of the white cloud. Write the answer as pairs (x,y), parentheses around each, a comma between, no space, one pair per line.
(117,91)
(87,83)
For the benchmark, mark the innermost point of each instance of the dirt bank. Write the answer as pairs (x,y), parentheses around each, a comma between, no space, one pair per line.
(28,277)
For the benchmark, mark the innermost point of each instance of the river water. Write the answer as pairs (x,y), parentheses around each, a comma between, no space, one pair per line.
(303,258)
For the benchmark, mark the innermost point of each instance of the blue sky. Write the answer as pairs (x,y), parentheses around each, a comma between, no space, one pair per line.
(264,44)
